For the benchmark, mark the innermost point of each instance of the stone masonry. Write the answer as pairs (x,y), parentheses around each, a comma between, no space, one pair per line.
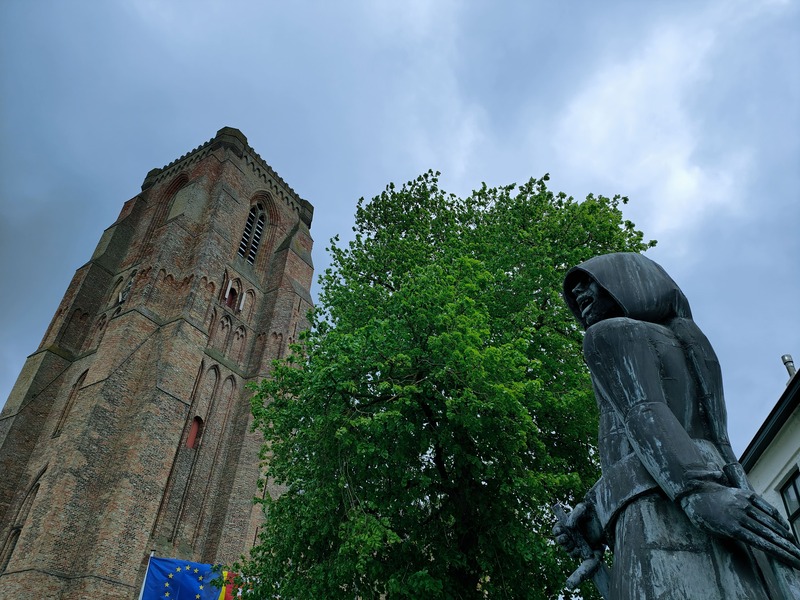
(128,430)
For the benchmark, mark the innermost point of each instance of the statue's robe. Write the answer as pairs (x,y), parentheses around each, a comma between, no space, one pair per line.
(662,433)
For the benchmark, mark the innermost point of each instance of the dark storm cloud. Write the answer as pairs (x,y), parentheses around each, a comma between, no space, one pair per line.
(689,108)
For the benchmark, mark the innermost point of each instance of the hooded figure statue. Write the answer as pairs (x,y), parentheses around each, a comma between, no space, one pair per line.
(673,503)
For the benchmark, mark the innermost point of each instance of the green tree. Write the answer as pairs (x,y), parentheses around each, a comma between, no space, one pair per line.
(439,404)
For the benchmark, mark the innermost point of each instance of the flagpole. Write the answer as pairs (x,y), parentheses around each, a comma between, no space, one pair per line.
(141,592)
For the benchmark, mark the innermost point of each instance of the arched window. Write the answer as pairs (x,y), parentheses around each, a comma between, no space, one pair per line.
(791,500)
(160,211)
(232,293)
(230,300)
(253,230)
(195,432)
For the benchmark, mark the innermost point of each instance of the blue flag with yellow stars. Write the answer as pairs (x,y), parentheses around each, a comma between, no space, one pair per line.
(173,579)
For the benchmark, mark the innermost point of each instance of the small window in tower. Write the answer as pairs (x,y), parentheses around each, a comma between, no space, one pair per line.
(230,300)
(253,230)
(195,432)
(248,232)
(791,500)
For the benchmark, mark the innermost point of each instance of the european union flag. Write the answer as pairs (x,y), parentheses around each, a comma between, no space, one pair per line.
(173,579)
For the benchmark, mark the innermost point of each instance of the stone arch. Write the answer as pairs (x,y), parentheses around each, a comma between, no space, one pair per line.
(161,209)
(208,287)
(101,322)
(238,343)
(54,324)
(222,333)
(75,331)
(205,299)
(210,527)
(232,292)
(179,181)
(247,305)
(207,469)
(211,322)
(18,524)
(258,350)
(97,333)
(265,199)
(274,223)
(183,290)
(275,348)
(228,388)
(69,403)
(168,196)
(206,390)
(176,495)
(163,293)
(116,292)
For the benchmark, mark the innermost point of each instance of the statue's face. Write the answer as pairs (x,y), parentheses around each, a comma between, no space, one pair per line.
(594,302)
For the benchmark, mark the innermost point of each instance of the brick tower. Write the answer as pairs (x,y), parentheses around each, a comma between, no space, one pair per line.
(128,429)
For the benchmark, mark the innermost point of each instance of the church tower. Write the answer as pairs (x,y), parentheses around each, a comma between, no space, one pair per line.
(128,430)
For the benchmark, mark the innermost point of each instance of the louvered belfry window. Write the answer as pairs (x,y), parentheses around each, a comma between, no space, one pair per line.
(253,230)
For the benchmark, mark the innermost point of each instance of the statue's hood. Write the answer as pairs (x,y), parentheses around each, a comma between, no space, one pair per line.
(641,287)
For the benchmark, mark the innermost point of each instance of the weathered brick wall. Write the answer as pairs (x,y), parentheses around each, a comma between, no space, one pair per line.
(142,344)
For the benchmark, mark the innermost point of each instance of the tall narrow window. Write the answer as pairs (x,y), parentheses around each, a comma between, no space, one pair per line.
(195,432)
(253,230)
(248,232)
(791,499)
(230,300)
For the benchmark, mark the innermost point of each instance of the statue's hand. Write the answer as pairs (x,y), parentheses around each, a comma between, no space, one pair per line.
(581,523)
(742,515)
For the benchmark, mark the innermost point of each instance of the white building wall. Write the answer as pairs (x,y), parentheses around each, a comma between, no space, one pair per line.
(780,460)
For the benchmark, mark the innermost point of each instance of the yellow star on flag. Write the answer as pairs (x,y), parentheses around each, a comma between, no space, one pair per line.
(186,579)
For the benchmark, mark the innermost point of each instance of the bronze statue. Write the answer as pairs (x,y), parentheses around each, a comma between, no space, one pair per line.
(673,503)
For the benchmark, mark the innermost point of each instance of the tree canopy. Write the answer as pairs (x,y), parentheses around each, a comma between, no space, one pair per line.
(439,403)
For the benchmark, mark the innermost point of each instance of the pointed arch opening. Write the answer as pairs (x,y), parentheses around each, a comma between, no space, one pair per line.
(19,523)
(195,433)
(253,232)
(230,300)
(233,294)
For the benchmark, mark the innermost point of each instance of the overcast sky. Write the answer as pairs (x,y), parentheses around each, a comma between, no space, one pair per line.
(692,109)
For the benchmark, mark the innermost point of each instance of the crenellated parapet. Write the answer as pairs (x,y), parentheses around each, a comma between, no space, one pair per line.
(232,139)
